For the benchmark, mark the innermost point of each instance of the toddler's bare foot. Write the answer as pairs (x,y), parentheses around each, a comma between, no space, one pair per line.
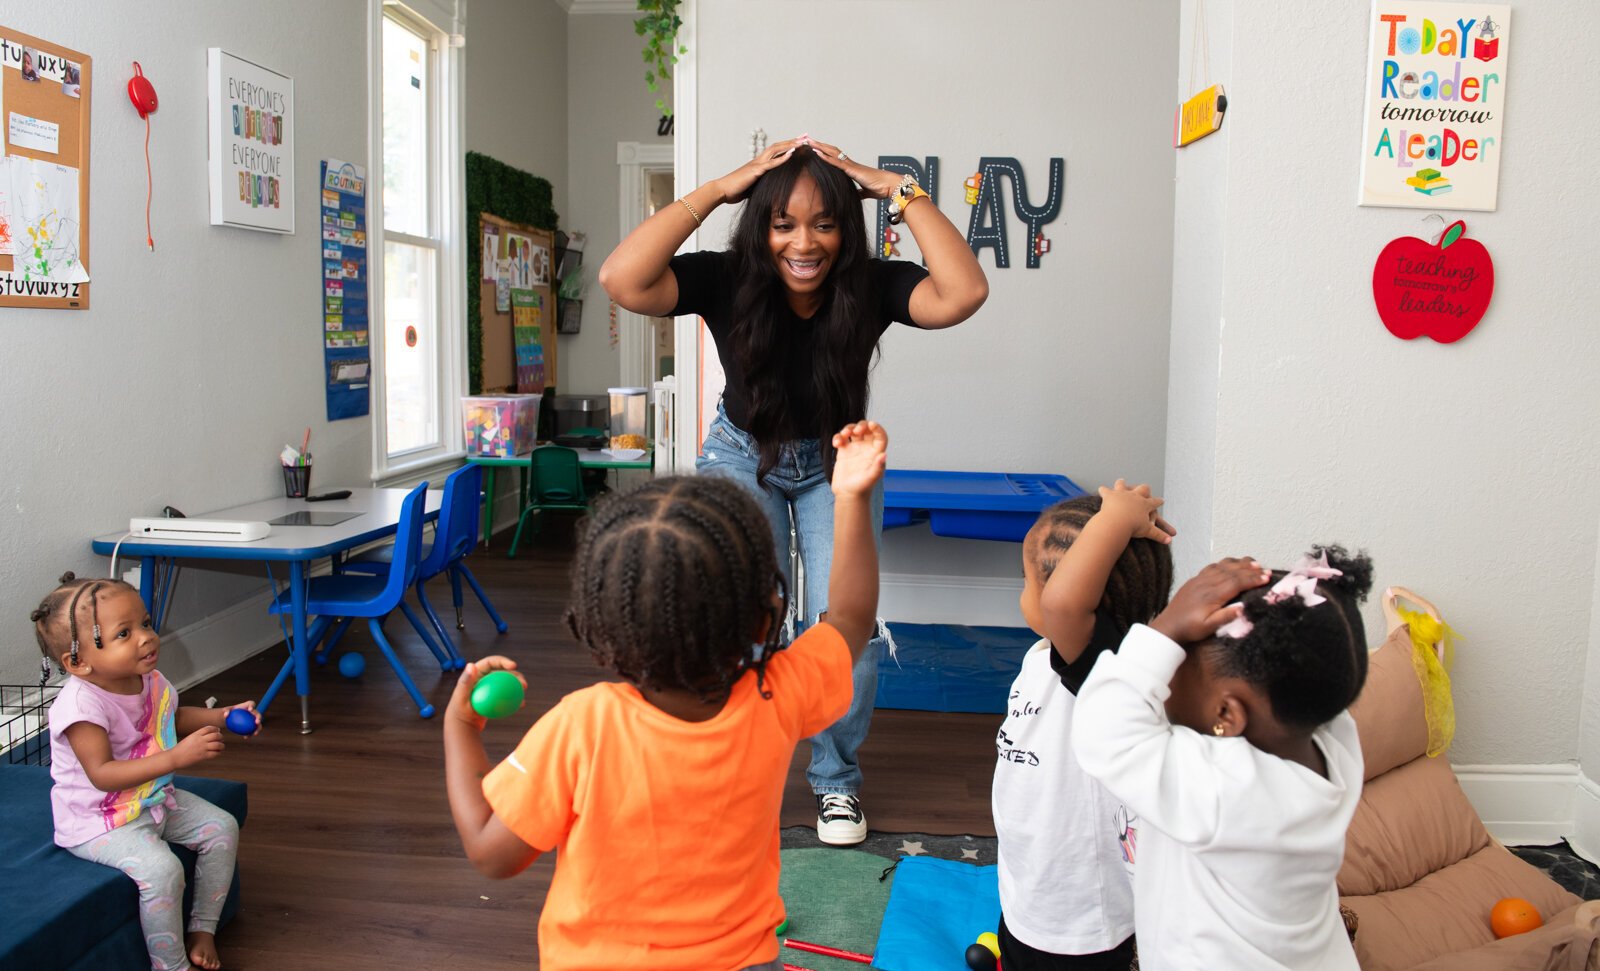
(203,951)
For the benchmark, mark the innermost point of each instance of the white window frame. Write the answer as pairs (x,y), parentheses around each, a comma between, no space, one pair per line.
(446,20)
(635,162)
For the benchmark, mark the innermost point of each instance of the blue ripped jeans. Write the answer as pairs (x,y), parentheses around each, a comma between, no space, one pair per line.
(798,486)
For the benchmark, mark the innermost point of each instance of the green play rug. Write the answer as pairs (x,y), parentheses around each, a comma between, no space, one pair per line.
(833,897)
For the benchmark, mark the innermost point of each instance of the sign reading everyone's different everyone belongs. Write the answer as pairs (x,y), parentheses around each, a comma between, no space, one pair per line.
(251,126)
(1436,87)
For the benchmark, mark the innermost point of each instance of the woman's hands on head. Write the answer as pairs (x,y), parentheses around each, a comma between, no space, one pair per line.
(874,183)
(737,184)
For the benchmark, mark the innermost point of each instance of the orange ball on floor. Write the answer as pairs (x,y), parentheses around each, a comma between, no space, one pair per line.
(1513,915)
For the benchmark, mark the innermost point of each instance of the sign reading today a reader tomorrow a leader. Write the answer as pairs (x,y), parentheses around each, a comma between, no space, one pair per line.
(1436,87)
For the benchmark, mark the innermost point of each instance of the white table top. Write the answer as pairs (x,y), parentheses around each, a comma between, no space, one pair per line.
(379,511)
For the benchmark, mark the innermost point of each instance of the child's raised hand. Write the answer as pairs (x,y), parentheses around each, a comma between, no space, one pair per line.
(198,746)
(460,706)
(860,454)
(1135,508)
(1205,602)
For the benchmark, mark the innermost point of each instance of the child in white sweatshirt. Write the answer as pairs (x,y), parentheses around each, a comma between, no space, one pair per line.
(1222,725)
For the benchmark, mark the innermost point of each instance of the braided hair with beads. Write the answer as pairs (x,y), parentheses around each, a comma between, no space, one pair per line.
(63,602)
(1311,661)
(1141,580)
(673,582)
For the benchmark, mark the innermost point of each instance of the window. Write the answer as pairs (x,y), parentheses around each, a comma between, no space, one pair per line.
(417,122)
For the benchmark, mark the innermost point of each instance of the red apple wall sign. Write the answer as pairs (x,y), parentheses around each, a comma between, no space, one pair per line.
(1438,290)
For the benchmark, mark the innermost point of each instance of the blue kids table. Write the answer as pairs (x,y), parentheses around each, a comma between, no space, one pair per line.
(378,515)
(972,505)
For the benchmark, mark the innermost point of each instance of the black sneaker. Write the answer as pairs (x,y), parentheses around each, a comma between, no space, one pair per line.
(839,819)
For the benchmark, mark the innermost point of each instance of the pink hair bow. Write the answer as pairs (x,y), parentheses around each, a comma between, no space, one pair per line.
(1301,581)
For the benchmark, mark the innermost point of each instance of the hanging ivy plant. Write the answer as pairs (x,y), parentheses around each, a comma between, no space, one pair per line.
(658,25)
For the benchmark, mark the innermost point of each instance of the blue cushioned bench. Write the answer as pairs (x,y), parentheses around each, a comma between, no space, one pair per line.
(63,912)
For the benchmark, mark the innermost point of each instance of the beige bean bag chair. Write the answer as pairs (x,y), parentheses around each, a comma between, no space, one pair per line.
(1420,872)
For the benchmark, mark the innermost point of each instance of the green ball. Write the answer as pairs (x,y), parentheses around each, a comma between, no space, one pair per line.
(991,942)
(497,694)
(782,927)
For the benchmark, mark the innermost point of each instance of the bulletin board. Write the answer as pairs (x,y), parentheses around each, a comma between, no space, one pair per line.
(44,174)
(499,349)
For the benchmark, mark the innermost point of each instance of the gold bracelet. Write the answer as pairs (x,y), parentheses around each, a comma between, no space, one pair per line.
(696,215)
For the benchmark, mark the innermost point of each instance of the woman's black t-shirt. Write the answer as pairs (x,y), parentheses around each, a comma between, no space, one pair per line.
(706,286)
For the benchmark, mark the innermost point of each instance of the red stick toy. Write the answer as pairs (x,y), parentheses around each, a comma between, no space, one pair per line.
(826,951)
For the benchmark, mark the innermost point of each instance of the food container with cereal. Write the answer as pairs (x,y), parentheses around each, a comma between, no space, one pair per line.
(500,426)
(628,412)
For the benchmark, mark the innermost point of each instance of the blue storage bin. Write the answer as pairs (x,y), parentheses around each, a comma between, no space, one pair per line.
(972,505)
(951,667)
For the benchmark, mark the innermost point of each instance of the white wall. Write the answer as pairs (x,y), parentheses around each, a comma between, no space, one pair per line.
(607,103)
(517,88)
(1467,470)
(1064,369)
(197,362)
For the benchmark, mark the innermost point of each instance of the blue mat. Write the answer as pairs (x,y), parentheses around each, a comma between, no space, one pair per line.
(936,909)
(947,667)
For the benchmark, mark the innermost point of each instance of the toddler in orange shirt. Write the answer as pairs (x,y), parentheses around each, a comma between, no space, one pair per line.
(662,791)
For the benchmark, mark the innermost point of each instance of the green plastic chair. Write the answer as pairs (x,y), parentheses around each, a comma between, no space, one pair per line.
(557,483)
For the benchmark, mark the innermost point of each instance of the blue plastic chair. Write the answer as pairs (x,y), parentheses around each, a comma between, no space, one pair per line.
(455,535)
(557,484)
(344,597)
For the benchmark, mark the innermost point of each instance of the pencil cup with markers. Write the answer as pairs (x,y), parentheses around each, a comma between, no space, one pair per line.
(296,472)
(296,480)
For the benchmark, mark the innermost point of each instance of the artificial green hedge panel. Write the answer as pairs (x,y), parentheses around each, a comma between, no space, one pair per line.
(496,188)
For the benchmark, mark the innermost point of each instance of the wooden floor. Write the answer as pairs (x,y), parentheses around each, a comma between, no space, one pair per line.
(349,858)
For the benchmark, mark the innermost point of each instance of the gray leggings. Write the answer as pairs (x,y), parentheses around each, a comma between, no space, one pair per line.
(139,849)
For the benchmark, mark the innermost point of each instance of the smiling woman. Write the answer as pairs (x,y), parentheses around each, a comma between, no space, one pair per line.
(796,306)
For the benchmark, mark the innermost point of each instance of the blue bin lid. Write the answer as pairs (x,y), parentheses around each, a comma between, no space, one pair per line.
(995,491)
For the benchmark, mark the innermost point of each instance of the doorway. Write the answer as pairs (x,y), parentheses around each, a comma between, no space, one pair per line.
(645,183)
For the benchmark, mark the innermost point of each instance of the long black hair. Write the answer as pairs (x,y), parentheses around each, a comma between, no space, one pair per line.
(845,341)
(672,582)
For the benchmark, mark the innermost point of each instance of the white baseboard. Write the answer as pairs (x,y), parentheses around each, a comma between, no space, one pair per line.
(1522,804)
(914,598)
(218,641)
(1584,836)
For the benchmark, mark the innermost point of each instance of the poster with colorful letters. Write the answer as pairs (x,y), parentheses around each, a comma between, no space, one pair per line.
(345,352)
(1436,88)
(251,123)
(527,319)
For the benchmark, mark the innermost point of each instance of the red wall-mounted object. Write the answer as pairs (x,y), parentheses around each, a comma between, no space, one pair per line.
(141,92)
(1439,290)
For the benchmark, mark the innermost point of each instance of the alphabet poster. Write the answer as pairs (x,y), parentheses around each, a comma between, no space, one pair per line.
(1436,85)
(44,174)
(251,122)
